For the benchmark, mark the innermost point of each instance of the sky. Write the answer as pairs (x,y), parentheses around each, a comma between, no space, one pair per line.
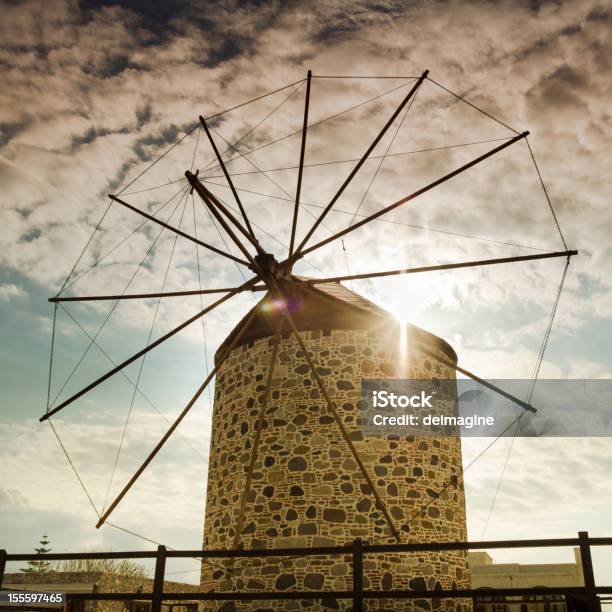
(94,92)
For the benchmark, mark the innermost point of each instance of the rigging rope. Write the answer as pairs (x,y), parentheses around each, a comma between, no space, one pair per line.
(333,76)
(269,178)
(270,93)
(328,163)
(385,155)
(51,356)
(159,158)
(316,123)
(356,159)
(195,149)
(222,236)
(552,210)
(544,345)
(131,382)
(198,125)
(382,220)
(261,229)
(535,375)
(197,252)
(76,263)
(178,180)
(480,110)
(114,525)
(251,130)
(380,163)
(456,479)
(108,253)
(144,357)
(114,306)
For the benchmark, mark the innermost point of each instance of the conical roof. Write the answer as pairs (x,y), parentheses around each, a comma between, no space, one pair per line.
(328,306)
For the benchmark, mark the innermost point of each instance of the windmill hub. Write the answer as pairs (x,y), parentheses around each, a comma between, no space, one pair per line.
(271,269)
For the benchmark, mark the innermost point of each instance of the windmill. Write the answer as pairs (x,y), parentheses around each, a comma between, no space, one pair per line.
(286,291)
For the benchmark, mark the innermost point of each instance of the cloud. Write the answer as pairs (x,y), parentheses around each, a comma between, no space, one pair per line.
(8,291)
(12,498)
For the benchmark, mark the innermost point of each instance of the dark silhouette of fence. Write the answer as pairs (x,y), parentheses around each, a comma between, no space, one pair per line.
(582,598)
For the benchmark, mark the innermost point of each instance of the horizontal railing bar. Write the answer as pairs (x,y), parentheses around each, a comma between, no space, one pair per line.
(108,596)
(212,596)
(482,592)
(266,552)
(435,546)
(600,541)
(391,594)
(321,550)
(143,554)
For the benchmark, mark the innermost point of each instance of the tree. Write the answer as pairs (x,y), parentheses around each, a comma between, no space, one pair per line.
(40,566)
(124,567)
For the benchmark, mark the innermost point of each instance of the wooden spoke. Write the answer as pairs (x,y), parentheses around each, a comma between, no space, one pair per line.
(227,177)
(212,207)
(484,383)
(178,231)
(365,156)
(332,408)
(142,296)
(412,196)
(148,348)
(203,190)
(465,264)
(178,420)
(301,166)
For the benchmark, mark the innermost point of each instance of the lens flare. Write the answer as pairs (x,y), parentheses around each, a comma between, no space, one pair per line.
(275,305)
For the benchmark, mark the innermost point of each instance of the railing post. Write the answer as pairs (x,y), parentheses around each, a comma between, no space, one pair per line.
(357,576)
(2,565)
(587,571)
(158,580)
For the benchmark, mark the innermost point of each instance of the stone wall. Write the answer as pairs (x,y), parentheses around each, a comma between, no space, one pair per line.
(306,488)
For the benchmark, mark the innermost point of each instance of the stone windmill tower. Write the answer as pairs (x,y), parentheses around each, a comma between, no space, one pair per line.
(301,486)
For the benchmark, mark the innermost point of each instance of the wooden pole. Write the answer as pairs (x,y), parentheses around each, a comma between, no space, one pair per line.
(148,348)
(143,296)
(178,231)
(178,420)
(210,199)
(227,177)
(332,409)
(357,576)
(300,253)
(158,580)
(364,157)
(2,565)
(451,266)
(587,572)
(301,166)
(211,205)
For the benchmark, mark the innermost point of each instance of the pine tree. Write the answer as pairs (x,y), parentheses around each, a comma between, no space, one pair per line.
(40,566)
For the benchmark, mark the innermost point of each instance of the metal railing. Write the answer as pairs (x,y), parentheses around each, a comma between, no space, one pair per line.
(585,597)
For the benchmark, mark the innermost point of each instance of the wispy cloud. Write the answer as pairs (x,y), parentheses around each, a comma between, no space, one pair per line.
(10,290)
